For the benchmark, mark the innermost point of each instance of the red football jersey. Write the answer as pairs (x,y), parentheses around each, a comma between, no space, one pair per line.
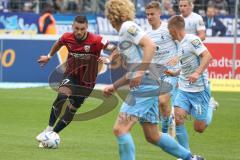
(82,58)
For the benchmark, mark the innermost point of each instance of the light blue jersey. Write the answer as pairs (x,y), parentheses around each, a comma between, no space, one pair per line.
(130,35)
(192,47)
(194,23)
(141,102)
(167,49)
(193,97)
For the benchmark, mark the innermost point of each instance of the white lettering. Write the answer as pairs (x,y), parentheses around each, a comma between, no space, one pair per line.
(224,62)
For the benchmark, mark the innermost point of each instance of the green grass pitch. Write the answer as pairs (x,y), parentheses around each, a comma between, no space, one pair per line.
(24,113)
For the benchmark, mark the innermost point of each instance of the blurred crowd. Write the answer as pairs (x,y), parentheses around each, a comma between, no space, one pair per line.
(169,7)
(58,6)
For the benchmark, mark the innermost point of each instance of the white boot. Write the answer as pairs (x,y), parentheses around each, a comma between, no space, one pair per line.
(213,103)
(41,136)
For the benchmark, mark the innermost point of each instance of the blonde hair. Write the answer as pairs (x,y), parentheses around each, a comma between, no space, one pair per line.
(119,11)
(177,22)
(190,2)
(153,4)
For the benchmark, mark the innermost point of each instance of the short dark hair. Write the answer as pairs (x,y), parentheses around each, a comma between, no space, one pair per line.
(81,19)
(176,21)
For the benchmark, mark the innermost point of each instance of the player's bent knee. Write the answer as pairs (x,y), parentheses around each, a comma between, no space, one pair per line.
(180,116)
(200,126)
(60,100)
(65,90)
(162,104)
(165,111)
(76,101)
(118,131)
(62,97)
(199,129)
(153,139)
(180,119)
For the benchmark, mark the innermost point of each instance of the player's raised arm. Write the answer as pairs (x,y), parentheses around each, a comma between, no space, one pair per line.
(43,59)
(198,48)
(114,53)
(206,57)
(108,90)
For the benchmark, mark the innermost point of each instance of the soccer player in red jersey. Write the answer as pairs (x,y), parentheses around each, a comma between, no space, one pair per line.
(84,50)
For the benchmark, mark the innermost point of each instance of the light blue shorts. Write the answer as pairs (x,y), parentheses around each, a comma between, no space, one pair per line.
(173,81)
(195,103)
(143,107)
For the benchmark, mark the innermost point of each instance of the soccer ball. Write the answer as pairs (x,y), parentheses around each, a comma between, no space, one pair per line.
(51,140)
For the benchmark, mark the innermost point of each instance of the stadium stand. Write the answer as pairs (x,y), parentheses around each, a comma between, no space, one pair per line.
(170,7)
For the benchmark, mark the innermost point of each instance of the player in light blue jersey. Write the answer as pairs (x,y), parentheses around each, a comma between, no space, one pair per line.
(194,24)
(139,49)
(193,95)
(166,51)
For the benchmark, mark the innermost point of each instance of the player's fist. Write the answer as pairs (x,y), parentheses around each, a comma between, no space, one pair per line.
(104,60)
(136,80)
(173,62)
(108,90)
(172,73)
(193,77)
(43,60)
(169,73)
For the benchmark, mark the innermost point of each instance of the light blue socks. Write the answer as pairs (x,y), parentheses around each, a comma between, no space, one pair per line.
(182,136)
(170,145)
(126,147)
(209,115)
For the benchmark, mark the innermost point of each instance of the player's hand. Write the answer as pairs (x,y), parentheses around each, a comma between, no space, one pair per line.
(43,60)
(173,62)
(172,73)
(104,60)
(135,82)
(193,77)
(169,73)
(108,90)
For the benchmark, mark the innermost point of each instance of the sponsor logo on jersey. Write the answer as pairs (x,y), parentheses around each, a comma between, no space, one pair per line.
(104,41)
(196,43)
(87,48)
(132,30)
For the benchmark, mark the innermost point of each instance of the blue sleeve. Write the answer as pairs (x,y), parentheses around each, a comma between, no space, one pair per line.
(205,21)
(221,27)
